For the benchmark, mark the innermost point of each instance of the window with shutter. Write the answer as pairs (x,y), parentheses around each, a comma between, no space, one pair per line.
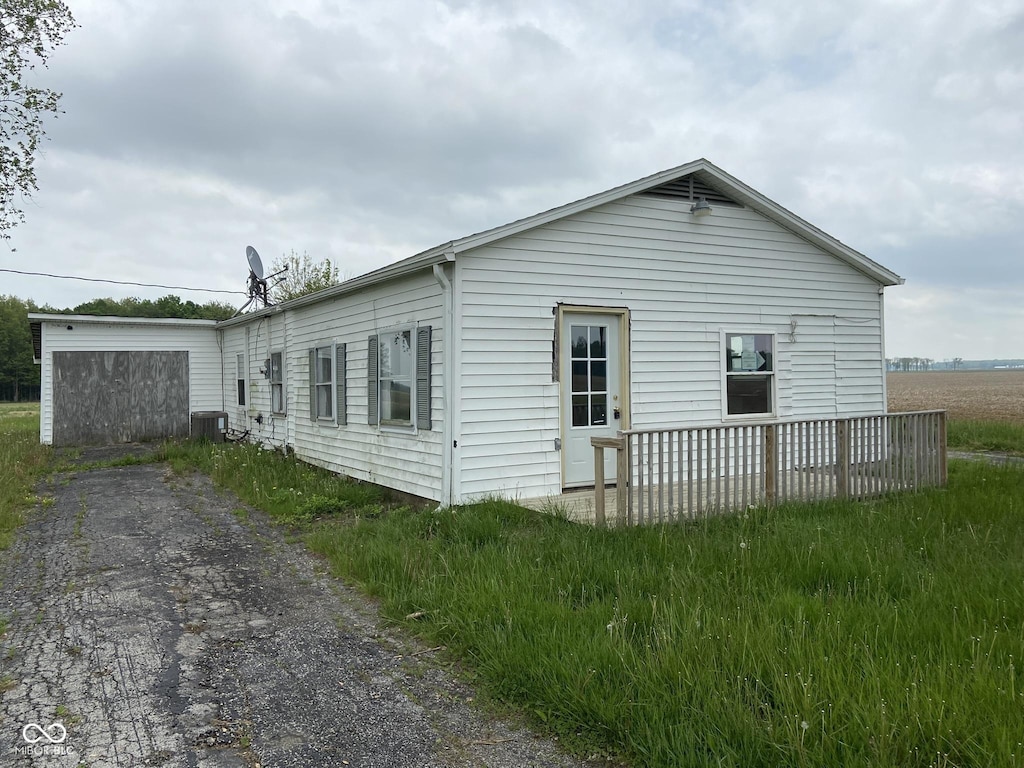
(327,383)
(398,370)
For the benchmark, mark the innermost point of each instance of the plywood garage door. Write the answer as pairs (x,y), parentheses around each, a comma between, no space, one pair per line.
(118,397)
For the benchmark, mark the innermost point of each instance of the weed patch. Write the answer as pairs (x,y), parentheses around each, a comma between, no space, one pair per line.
(22,461)
(290,491)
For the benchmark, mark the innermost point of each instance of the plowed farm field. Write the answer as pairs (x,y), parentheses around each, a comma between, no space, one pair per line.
(968,395)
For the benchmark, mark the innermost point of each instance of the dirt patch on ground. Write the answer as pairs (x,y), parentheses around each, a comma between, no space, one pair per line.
(162,623)
(980,395)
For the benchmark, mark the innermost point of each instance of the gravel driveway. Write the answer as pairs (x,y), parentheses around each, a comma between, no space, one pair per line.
(162,629)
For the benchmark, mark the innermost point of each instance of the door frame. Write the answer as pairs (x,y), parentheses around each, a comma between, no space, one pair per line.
(563,314)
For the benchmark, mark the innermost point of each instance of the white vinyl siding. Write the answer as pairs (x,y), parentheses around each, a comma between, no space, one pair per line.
(255,341)
(684,281)
(407,462)
(141,334)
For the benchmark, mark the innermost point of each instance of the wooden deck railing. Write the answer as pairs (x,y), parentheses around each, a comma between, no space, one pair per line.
(683,472)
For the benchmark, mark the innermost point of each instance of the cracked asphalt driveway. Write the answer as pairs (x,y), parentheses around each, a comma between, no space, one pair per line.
(162,629)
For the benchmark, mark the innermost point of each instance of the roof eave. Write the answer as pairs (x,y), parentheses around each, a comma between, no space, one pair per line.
(120,320)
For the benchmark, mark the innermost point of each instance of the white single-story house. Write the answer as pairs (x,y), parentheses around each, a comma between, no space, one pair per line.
(485,365)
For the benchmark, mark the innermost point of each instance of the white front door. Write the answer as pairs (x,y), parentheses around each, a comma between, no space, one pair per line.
(591,397)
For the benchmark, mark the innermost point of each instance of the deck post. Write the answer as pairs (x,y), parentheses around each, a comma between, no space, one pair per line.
(599,486)
(843,458)
(600,443)
(771,461)
(943,468)
(622,478)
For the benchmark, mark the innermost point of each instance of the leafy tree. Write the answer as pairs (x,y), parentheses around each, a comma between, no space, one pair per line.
(303,276)
(29,31)
(18,372)
(166,306)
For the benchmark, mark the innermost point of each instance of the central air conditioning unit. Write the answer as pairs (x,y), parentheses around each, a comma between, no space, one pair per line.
(212,425)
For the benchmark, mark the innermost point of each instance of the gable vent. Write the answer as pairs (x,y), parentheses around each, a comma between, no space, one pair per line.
(691,188)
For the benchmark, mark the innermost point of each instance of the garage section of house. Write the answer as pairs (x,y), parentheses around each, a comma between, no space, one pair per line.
(116,380)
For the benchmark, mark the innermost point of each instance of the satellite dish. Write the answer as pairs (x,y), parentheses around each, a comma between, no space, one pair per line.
(254,261)
(259,291)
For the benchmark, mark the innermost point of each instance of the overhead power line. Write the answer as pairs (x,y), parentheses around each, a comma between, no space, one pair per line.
(119,282)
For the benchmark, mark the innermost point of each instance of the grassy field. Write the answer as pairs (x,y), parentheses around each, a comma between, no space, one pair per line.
(22,460)
(986,408)
(886,633)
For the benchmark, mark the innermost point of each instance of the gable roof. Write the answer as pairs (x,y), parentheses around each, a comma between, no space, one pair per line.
(708,174)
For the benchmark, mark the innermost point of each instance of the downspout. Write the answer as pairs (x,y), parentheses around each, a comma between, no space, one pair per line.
(220,350)
(447,378)
(885,366)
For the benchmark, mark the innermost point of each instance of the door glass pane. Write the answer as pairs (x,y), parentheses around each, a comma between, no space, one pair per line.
(579,375)
(580,417)
(579,341)
(598,347)
(598,409)
(598,377)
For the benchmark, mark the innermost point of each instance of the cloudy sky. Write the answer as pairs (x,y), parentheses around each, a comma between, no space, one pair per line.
(365,132)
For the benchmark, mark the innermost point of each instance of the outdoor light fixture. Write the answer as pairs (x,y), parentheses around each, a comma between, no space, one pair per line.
(700,209)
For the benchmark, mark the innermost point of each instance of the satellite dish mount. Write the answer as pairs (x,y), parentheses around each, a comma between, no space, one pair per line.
(258,288)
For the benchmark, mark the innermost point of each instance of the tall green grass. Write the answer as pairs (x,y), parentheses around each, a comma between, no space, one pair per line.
(998,436)
(22,460)
(289,490)
(882,633)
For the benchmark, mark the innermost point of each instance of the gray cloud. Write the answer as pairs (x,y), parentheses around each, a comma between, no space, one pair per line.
(366,132)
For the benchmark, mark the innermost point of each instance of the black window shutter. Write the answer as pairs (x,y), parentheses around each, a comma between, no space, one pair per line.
(312,384)
(340,384)
(423,377)
(372,416)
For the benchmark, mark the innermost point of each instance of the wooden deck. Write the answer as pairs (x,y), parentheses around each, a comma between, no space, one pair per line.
(659,503)
(678,473)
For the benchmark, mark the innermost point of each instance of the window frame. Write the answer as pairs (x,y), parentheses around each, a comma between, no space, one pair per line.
(240,380)
(726,374)
(420,373)
(275,383)
(337,387)
(398,425)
